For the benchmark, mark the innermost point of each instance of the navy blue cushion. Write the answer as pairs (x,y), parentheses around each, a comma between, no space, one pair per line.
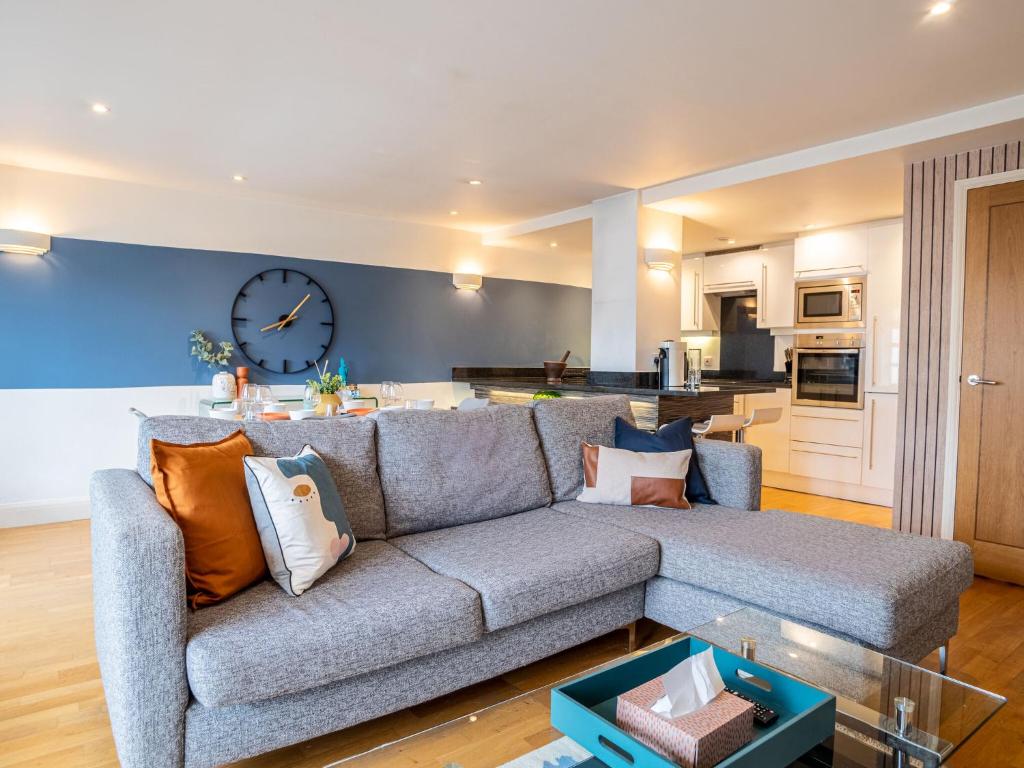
(677,436)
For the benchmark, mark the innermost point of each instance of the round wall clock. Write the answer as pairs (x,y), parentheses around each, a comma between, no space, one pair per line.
(282,320)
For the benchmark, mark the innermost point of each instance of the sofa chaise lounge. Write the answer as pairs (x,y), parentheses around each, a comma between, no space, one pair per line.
(473,559)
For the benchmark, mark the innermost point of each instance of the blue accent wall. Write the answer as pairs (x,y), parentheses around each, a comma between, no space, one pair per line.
(98,314)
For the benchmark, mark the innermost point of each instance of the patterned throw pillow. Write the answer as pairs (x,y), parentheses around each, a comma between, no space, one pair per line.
(616,476)
(675,436)
(300,517)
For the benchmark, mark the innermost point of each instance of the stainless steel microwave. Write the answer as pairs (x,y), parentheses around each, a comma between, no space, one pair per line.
(831,303)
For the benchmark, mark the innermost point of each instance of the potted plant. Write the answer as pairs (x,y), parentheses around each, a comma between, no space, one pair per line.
(328,386)
(223,384)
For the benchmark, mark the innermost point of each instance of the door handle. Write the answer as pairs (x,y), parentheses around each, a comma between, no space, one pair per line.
(874,346)
(974,380)
(871,437)
(764,292)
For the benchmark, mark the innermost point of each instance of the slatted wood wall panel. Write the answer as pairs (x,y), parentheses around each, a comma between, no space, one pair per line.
(924,327)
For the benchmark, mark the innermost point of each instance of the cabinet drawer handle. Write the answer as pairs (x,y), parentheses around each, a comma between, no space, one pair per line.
(615,749)
(830,269)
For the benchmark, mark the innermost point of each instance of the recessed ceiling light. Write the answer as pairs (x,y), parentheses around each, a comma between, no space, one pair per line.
(731,241)
(553,244)
(475,182)
(453,213)
(940,8)
(100,109)
(810,226)
(238,177)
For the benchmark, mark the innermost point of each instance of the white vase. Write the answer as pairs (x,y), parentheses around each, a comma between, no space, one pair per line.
(223,386)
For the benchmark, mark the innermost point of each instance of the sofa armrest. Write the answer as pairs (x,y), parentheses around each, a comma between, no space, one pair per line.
(732,472)
(138,572)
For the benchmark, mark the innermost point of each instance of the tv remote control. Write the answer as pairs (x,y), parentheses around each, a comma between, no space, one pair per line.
(762,715)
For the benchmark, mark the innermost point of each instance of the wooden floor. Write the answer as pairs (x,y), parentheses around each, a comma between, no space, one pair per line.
(52,711)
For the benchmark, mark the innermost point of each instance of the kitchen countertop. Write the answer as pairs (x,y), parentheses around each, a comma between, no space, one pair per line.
(708,386)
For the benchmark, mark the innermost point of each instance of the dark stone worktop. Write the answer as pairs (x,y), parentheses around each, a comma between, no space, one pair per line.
(708,386)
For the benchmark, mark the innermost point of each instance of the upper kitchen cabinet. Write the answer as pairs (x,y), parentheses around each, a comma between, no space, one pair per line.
(775,305)
(834,253)
(767,271)
(728,272)
(884,288)
(697,311)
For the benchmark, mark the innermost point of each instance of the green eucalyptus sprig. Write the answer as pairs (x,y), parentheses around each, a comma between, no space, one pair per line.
(329,383)
(203,349)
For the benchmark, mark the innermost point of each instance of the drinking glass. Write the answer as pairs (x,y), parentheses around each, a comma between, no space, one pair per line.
(250,394)
(390,392)
(310,398)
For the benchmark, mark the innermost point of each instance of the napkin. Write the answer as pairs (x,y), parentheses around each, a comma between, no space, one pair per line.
(689,685)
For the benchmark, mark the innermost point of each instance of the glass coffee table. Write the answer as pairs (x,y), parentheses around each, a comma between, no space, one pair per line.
(888,713)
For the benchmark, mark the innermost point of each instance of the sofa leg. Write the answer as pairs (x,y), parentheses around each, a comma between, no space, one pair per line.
(943,659)
(631,641)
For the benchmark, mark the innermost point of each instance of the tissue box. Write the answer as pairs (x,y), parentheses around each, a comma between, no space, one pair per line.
(700,739)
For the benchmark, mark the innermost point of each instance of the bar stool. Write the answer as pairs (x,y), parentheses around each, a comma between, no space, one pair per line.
(758,416)
(719,422)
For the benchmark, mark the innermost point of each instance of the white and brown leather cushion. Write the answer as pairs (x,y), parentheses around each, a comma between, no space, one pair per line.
(617,476)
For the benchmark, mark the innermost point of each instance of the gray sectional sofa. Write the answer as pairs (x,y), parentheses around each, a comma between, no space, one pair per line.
(473,559)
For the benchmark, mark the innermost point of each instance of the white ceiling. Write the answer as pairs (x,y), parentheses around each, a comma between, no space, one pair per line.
(387,107)
(864,188)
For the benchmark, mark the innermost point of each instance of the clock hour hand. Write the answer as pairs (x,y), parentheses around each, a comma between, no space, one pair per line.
(282,323)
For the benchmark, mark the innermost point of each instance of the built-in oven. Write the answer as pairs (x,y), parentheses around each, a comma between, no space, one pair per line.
(828,370)
(833,303)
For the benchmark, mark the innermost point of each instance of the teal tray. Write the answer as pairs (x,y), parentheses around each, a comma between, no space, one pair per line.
(584,710)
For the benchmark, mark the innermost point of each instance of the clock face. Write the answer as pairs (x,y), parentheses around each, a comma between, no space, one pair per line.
(283,320)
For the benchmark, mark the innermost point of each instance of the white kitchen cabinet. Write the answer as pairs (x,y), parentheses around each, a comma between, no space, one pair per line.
(775,304)
(882,302)
(832,253)
(826,443)
(879,457)
(825,462)
(828,426)
(772,439)
(726,272)
(697,311)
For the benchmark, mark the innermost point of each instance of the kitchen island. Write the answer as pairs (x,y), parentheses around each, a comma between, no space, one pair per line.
(652,406)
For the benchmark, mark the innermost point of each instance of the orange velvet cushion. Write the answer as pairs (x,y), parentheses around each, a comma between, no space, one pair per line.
(203,488)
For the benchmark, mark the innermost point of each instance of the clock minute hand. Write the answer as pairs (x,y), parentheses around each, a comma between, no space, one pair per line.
(281,323)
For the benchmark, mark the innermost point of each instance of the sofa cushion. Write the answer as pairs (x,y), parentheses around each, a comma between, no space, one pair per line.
(535,562)
(869,583)
(346,446)
(444,468)
(377,608)
(675,436)
(564,424)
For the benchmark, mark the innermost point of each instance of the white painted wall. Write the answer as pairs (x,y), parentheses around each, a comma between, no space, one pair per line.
(54,439)
(96,209)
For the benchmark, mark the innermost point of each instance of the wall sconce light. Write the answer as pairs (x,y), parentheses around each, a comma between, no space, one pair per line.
(24,243)
(466,281)
(661,259)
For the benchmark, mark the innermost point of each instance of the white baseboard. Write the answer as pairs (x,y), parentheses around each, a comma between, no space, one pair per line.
(862,493)
(17,514)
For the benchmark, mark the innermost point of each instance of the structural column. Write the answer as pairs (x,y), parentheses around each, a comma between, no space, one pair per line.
(632,307)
